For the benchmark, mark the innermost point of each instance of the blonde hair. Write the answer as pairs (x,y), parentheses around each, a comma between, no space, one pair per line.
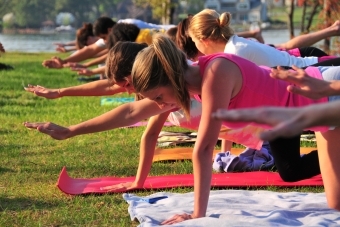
(208,24)
(162,64)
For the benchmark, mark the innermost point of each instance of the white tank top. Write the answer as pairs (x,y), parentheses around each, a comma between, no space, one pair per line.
(262,54)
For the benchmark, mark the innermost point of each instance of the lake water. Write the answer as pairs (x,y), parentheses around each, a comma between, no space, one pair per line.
(44,43)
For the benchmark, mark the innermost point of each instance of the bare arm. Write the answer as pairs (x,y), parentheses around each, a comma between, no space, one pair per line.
(147,150)
(306,85)
(85,53)
(81,55)
(89,72)
(223,88)
(70,43)
(95,88)
(124,115)
(310,39)
(96,61)
(147,146)
(285,122)
(101,53)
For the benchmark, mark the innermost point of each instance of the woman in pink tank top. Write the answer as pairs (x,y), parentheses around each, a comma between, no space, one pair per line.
(221,81)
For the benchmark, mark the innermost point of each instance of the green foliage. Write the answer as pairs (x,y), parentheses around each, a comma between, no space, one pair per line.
(161,9)
(31,13)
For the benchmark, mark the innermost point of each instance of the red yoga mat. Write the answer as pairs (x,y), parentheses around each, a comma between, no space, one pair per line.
(79,186)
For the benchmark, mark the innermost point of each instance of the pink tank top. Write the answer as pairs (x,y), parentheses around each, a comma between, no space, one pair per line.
(259,89)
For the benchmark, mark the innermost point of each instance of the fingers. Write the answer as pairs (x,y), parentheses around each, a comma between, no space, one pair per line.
(114,188)
(176,219)
(34,125)
(297,90)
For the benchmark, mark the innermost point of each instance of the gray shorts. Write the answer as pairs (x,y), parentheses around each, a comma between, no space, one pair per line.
(331,73)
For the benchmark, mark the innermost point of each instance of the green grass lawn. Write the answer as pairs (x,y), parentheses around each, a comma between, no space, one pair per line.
(31,161)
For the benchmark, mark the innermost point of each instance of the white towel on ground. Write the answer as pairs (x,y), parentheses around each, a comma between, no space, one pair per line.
(238,208)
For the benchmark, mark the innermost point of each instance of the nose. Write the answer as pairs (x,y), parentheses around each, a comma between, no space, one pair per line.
(161,104)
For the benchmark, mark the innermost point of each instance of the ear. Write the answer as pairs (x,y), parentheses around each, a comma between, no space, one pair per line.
(206,42)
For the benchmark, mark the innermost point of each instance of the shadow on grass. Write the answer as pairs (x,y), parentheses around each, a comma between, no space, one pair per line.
(20,204)
(4,170)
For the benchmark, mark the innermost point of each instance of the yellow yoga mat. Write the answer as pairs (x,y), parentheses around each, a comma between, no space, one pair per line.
(183,153)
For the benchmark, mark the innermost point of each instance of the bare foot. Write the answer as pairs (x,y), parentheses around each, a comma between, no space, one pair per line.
(336,27)
(258,35)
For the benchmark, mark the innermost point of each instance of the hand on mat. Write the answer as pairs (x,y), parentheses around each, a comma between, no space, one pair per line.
(43,92)
(120,187)
(74,65)
(83,71)
(177,218)
(55,63)
(55,131)
(285,121)
(303,84)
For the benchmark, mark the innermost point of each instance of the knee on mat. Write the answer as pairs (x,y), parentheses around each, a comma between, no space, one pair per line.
(289,176)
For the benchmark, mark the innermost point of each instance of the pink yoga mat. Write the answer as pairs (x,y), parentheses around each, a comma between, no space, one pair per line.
(78,186)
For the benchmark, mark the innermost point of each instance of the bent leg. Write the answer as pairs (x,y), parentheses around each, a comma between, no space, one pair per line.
(329,158)
(291,166)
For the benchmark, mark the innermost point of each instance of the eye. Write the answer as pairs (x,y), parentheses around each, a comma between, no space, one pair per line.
(158,98)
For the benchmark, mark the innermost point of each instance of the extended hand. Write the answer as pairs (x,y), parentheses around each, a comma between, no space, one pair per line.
(74,65)
(83,71)
(120,187)
(43,92)
(177,218)
(55,63)
(286,122)
(303,83)
(55,131)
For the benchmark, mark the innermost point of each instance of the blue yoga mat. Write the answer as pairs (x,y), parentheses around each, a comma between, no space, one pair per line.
(116,100)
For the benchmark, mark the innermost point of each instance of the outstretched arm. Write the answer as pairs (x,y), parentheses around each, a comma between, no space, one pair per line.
(81,55)
(310,39)
(147,150)
(124,115)
(89,72)
(285,122)
(96,61)
(95,88)
(306,85)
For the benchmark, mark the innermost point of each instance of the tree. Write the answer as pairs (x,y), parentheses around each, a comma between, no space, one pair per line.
(162,10)
(290,19)
(25,12)
(331,10)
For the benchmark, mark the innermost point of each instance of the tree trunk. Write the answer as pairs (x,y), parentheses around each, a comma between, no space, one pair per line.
(303,17)
(312,14)
(327,41)
(290,20)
